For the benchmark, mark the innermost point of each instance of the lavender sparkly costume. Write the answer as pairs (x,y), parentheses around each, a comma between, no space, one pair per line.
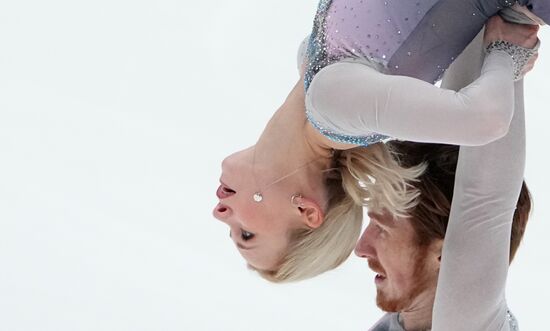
(417,39)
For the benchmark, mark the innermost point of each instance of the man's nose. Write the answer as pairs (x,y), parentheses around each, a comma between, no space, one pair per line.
(364,247)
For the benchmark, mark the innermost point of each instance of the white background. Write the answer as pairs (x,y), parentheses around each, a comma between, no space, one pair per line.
(114,117)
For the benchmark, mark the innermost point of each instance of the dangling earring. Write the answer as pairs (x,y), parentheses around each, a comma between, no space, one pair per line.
(293,200)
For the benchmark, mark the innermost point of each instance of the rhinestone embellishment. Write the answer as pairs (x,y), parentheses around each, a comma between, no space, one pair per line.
(512,320)
(520,55)
(317,49)
(506,3)
(365,140)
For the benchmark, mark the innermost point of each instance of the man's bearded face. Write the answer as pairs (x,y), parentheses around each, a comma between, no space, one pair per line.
(404,270)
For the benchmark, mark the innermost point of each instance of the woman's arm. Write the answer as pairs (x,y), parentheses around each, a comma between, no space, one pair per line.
(351,98)
(474,264)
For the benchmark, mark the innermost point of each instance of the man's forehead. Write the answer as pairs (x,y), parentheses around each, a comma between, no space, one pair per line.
(385,218)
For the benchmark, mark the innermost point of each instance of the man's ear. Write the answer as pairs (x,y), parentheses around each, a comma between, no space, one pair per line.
(436,248)
(311,213)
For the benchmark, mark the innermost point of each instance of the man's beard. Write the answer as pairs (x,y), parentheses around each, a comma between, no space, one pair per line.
(420,279)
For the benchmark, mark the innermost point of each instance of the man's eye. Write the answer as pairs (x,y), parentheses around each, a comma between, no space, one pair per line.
(380,229)
(245,235)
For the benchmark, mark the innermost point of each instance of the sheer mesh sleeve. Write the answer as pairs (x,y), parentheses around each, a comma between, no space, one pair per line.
(352,98)
(474,265)
(301,55)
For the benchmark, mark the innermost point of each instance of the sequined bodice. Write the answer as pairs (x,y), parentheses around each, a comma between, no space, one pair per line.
(371,29)
(418,38)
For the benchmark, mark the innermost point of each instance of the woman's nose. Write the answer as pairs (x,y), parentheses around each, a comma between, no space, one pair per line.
(222,212)
(224,192)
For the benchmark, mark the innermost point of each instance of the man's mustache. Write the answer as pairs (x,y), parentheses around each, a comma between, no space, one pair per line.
(376,267)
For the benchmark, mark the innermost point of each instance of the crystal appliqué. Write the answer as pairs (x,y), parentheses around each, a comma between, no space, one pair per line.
(520,55)
(512,320)
(317,53)
(365,140)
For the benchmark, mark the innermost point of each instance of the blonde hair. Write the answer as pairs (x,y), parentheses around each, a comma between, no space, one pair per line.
(360,177)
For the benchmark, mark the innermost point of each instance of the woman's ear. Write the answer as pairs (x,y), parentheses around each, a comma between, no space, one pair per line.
(311,213)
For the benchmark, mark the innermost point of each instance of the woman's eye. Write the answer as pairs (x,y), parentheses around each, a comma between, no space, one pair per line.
(245,235)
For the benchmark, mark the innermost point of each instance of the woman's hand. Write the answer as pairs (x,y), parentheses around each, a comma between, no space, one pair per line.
(523,35)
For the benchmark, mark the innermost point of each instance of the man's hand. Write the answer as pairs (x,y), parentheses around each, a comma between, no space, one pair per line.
(523,35)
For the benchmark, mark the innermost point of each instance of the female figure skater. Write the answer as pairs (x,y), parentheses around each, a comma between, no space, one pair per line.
(294,200)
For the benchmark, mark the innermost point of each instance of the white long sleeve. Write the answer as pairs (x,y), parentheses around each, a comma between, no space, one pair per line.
(351,98)
(470,294)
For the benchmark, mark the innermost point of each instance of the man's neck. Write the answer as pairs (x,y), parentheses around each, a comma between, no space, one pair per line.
(418,317)
(414,323)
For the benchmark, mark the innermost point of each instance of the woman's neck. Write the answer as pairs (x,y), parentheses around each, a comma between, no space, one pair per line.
(287,144)
(288,132)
